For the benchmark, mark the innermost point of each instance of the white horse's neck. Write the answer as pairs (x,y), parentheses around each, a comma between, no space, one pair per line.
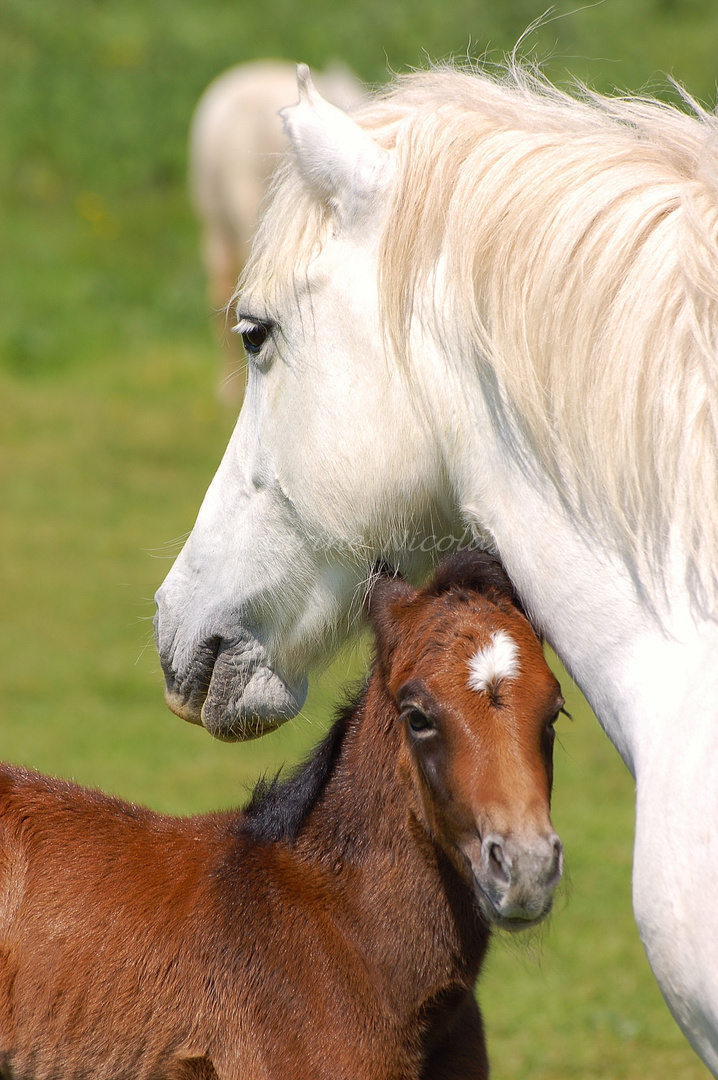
(537,553)
(654,689)
(648,668)
(639,669)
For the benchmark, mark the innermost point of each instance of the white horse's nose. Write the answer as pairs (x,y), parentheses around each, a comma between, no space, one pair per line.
(223,680)
(519,876)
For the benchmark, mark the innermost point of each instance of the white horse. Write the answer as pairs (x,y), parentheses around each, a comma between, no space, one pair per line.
(236,139)
(483,301)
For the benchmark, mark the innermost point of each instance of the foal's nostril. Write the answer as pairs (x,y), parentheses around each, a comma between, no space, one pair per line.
(517,877)
(499,869)
(509,866)
(556,870)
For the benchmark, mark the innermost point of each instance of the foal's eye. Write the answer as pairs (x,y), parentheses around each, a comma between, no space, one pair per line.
(551,725)
(254,334)
(419,723)
(562,711)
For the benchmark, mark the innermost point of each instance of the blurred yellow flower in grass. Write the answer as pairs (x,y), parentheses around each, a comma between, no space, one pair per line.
(92,208)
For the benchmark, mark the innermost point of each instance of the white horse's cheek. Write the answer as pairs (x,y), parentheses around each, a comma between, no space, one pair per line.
(249,598)
(346,477)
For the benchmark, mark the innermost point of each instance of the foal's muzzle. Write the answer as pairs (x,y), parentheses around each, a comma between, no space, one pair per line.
(515,880)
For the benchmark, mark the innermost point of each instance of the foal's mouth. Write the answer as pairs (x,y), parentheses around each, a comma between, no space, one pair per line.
(515,923)
(521,896)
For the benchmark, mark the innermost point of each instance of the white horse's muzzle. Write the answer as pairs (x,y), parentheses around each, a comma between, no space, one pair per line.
(227,686)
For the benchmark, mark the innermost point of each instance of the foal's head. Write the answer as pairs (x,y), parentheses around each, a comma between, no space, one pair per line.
(477,702)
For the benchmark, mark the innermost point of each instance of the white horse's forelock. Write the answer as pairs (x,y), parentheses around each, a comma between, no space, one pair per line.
(578,240)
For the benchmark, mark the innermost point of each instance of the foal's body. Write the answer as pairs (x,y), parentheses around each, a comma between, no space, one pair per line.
(336,928)
(194,1000)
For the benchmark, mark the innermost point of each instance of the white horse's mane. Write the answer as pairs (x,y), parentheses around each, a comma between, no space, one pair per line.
(577,239)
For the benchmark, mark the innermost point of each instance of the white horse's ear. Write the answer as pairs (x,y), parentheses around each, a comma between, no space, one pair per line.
(337,157)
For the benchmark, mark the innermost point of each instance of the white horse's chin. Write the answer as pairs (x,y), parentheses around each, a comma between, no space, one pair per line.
(244,697)
(263,704)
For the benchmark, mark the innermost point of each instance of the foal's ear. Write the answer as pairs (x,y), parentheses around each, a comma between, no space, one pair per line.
(336,157)
(387,594)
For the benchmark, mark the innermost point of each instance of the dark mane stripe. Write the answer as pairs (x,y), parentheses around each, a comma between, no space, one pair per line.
(278,807)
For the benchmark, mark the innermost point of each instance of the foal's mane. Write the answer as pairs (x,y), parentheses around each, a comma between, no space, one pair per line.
(278,808)
(578,240)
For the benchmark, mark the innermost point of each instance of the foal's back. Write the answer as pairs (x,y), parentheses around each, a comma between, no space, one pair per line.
(96,896)
(139,946)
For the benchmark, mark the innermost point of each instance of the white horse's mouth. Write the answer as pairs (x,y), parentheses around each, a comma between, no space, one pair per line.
(231,690)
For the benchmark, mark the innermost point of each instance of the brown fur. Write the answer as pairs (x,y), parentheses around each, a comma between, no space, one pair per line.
(331,930)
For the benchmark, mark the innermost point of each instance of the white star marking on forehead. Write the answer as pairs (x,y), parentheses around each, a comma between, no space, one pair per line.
(495,661)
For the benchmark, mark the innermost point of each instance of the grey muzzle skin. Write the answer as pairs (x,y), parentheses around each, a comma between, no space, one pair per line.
(227,686)
(515,880)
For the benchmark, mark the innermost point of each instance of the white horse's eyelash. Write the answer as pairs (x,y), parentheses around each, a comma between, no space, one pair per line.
(245,325)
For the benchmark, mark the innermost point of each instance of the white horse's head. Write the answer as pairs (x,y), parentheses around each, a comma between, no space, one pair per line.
(473,300)
(314,486)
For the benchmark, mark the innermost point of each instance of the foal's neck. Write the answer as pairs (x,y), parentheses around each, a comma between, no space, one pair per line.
(364,803)
(367,825)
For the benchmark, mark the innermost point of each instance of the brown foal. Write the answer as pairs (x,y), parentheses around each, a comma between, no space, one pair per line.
(333,929)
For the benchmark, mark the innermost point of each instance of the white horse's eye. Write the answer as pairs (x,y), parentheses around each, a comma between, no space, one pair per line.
(254,334)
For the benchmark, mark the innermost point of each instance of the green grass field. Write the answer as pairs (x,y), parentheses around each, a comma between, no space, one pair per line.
(110,433)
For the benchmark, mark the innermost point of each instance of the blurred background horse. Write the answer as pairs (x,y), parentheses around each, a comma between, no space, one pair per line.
(236,140)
